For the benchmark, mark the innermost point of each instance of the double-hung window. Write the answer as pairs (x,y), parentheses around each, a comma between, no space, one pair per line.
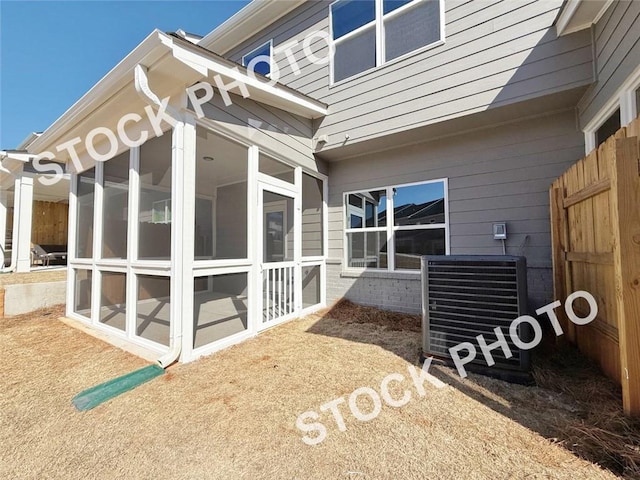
(390,228)
(260,59)
(369,33)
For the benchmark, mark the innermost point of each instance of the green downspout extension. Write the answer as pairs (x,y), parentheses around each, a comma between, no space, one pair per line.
(94,396)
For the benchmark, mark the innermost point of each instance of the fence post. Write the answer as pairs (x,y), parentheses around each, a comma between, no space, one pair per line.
(558,249)
(625,216)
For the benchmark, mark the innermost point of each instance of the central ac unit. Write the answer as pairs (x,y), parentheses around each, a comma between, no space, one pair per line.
(464,296)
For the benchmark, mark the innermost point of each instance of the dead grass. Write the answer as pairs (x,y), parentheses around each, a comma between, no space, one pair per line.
(40,276)
(599,431)
(233,415)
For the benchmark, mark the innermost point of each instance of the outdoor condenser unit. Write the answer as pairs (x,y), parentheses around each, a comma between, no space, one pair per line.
(464,296)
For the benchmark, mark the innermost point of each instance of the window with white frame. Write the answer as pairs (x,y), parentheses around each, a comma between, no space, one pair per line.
(369,33)
(610,126)
(259,60)
(391,228)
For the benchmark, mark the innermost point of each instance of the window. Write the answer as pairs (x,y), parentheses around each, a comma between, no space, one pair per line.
(154,210)
(115,198)
(392,228)
(84,213)
(368,33)
(259,60)
(221,197)
(608,128)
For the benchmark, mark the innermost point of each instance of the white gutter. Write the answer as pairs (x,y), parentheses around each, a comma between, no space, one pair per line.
(141,81)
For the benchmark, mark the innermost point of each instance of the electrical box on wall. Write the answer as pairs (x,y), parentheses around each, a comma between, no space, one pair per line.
(500,231)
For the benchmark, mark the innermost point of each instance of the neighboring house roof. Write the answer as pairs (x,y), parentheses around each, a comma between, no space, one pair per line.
(580,14)
(174,63)
(244,24)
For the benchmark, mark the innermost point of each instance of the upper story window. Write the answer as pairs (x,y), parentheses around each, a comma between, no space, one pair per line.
(259,60)
(608,128)
(368,33)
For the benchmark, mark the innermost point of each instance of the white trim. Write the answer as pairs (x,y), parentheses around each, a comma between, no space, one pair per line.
(390,227)
(624,99)
(570,9)
(245,23)
(271,60)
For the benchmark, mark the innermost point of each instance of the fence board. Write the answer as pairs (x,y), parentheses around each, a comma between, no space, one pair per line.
(595,229)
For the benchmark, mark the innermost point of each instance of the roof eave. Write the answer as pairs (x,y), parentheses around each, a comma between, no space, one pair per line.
(578,15)
(246,23)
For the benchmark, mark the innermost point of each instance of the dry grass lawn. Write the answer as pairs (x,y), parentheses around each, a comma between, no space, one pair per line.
(38,276)
(232,415)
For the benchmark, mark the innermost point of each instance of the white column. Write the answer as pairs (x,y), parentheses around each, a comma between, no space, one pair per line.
(24,212)
(3,220)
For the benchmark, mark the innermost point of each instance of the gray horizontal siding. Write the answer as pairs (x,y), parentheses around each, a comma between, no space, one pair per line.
(495,174)
(277,132)
(617,45)
(496,53)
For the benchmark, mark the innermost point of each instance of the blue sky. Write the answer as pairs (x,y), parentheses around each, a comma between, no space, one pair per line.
(52,52)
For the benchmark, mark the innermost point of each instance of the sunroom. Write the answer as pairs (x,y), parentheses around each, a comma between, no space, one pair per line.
(211,230)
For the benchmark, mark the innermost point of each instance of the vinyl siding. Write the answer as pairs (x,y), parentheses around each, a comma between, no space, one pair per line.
(496,53)
(495,174)
(617,46)
(277,133)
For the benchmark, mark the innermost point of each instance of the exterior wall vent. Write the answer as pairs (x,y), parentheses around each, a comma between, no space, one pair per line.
(464,296)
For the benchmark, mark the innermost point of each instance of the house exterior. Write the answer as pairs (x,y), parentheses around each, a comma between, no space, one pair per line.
(306,151)
(31,212)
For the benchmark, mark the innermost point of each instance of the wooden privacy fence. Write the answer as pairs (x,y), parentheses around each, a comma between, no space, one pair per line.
(49,223)
(595,228)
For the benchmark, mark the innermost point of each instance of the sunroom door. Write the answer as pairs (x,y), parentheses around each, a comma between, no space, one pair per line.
(278,265)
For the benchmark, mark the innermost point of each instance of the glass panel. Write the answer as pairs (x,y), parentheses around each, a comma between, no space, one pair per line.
(310,286)
(154,219)
(419,204)
(608,128)
(274,168)
(84,216)
(262,65)
(82,294)
(412,29)
(221,198)
(355,55)
(153,308)
(391,5)
(115,203)
(411,244)
(277,227)
(355,200)
(367,249)
(312,226)
(374,213)
(348,15)
(113,300)
(220,307)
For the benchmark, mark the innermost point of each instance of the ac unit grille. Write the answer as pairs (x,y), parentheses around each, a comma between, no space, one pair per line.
(465,296)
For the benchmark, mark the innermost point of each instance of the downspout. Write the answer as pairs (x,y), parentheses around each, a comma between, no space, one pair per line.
(141,81)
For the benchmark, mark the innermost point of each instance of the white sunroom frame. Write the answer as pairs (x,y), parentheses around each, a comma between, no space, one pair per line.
(183,268)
